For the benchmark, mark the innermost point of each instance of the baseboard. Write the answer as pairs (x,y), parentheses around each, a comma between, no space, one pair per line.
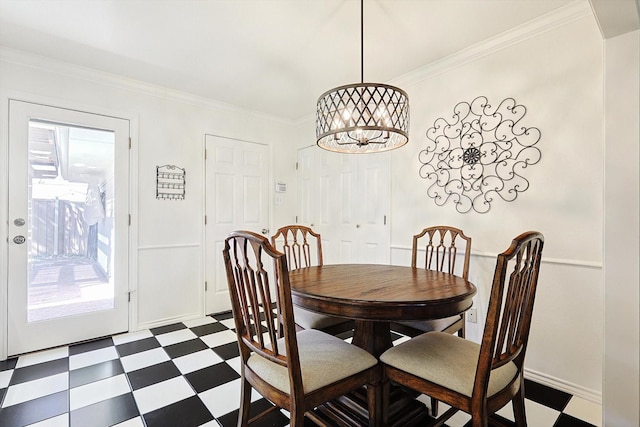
(166,321)
(558,384)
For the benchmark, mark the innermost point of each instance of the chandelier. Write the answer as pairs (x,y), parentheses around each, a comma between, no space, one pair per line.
(362,117)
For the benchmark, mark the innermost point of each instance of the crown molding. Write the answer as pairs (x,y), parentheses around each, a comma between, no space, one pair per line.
(113,80)
(558,18)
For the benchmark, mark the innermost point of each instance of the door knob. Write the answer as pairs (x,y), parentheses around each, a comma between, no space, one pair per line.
(265,230)
(19,240)
(357,225)
(18,222)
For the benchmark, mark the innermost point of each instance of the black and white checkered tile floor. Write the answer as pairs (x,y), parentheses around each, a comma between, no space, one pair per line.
(185,374)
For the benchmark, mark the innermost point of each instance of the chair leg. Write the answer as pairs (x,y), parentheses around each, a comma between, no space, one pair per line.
(377,402)
(479,421)
(518,407)
(479,415)
(297,418)
(245,402)
(434,407)
(381,417)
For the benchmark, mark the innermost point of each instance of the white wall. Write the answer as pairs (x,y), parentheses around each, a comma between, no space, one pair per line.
(557,76)
(556,73)
(168,128)
(553,68)
(621,386)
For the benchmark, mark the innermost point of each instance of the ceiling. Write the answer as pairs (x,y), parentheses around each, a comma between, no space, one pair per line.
(270,56)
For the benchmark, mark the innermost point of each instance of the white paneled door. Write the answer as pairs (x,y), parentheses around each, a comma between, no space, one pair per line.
(237,198)
(346,199)
(68,226)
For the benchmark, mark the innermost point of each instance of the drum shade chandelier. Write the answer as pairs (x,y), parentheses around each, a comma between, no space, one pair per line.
(362,117)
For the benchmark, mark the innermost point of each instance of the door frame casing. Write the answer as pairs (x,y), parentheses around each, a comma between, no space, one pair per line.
(132,273)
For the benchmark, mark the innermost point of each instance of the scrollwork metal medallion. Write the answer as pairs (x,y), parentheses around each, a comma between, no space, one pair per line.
(481,152)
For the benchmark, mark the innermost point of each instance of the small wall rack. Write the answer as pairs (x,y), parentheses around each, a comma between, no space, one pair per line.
(170,182)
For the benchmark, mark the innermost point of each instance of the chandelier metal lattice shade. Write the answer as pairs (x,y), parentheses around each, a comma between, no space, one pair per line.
(362,117)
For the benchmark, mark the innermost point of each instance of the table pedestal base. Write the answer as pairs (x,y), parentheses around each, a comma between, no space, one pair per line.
(351,410)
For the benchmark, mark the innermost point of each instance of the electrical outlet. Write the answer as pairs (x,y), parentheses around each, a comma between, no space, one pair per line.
(472,315)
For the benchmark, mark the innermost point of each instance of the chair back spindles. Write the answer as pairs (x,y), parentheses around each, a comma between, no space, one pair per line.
(440,245)
(511,305)
(303,248)
(297,250)
(438,254)
(516,316)
(298,243)
(256,322)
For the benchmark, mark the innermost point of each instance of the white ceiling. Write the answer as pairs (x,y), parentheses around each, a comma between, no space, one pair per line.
(270,56)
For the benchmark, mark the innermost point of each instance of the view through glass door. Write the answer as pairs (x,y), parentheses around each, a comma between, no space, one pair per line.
(68,203)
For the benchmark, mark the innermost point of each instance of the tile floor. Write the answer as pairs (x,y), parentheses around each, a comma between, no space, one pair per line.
(185,374)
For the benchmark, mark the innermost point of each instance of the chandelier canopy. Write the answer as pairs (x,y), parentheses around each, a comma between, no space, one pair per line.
(362,117)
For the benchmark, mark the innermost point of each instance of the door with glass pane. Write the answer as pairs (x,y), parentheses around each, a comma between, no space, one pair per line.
(68,226)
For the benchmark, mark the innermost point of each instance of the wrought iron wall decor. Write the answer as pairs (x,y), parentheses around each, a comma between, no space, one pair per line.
(481,152)
(170,182)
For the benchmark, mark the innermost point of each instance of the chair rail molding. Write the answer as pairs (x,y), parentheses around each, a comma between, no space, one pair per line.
(597,265)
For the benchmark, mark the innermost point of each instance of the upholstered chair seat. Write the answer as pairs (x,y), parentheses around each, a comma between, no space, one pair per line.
(433,325)
(324,359)
(308,319)
(446,360)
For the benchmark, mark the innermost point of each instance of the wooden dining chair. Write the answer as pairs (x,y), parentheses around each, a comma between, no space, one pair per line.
(444,247)
(300,370)
(303,248)
(479,378)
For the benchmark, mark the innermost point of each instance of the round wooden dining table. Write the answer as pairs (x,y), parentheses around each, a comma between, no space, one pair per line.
(376,295)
